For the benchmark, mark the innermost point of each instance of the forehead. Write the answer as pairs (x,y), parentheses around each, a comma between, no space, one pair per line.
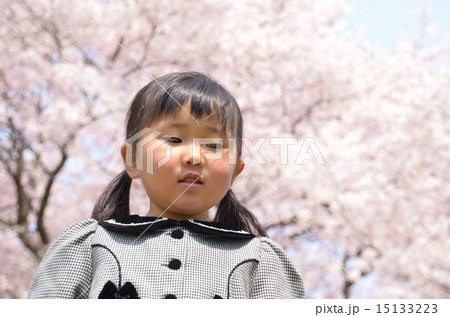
(185,120)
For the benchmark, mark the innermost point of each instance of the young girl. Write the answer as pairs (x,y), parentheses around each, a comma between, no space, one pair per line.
(191,128)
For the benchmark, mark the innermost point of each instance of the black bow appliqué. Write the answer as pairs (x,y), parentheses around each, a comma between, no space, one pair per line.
(110,291)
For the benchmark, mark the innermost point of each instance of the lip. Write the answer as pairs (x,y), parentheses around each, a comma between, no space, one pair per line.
(188,183)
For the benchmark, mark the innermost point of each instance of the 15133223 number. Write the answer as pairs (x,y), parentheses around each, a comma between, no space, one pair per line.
(407,308)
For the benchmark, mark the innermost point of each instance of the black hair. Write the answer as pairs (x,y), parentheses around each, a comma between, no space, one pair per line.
(163,98)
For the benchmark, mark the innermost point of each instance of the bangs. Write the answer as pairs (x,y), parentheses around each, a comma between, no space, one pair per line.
(202,97)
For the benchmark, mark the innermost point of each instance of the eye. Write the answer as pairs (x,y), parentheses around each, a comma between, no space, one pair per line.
(214,145)
(173,139)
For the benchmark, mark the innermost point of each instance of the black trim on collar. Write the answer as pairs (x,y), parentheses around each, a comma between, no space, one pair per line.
(138,224)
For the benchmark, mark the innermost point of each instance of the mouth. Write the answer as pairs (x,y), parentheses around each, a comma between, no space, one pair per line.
(191,178)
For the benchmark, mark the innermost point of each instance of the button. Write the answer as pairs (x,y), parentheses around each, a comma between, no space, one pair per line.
(177,234)
(170,296)
(175,264)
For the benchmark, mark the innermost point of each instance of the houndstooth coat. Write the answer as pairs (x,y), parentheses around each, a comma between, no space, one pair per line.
(149,257)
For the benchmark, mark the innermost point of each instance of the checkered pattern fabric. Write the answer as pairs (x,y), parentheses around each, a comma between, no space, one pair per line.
(164,258)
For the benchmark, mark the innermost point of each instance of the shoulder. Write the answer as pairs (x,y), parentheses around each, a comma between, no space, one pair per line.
(86,225)
(268,242)
(272,253)
(79,230)
(76,235)
(278,276)
(65,270)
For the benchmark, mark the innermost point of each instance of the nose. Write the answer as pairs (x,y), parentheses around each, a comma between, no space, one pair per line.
(192,155)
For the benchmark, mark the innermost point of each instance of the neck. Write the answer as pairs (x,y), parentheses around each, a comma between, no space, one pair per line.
(202,216)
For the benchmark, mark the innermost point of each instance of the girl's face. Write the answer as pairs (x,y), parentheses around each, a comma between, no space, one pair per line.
(188,168)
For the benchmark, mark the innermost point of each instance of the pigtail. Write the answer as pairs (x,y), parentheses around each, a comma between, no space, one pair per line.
(232,212)
(115,200)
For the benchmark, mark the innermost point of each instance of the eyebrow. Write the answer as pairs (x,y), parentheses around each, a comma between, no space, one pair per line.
(209,128)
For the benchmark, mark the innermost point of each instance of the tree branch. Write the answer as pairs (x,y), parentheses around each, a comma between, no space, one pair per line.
(44,201)
(117,51)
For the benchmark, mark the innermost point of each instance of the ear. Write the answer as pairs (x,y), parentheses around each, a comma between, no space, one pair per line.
(131,171)
(237,170)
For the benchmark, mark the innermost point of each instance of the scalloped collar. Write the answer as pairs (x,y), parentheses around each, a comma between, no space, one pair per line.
(139,224)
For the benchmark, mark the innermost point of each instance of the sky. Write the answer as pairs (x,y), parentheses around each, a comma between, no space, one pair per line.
(388,21)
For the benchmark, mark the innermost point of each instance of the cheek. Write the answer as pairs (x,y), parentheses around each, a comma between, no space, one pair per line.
(223,171)
(158,167)
(155,158)
(158,154)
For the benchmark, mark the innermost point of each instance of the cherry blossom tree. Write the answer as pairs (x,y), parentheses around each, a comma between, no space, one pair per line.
(346,148)
(67,75)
